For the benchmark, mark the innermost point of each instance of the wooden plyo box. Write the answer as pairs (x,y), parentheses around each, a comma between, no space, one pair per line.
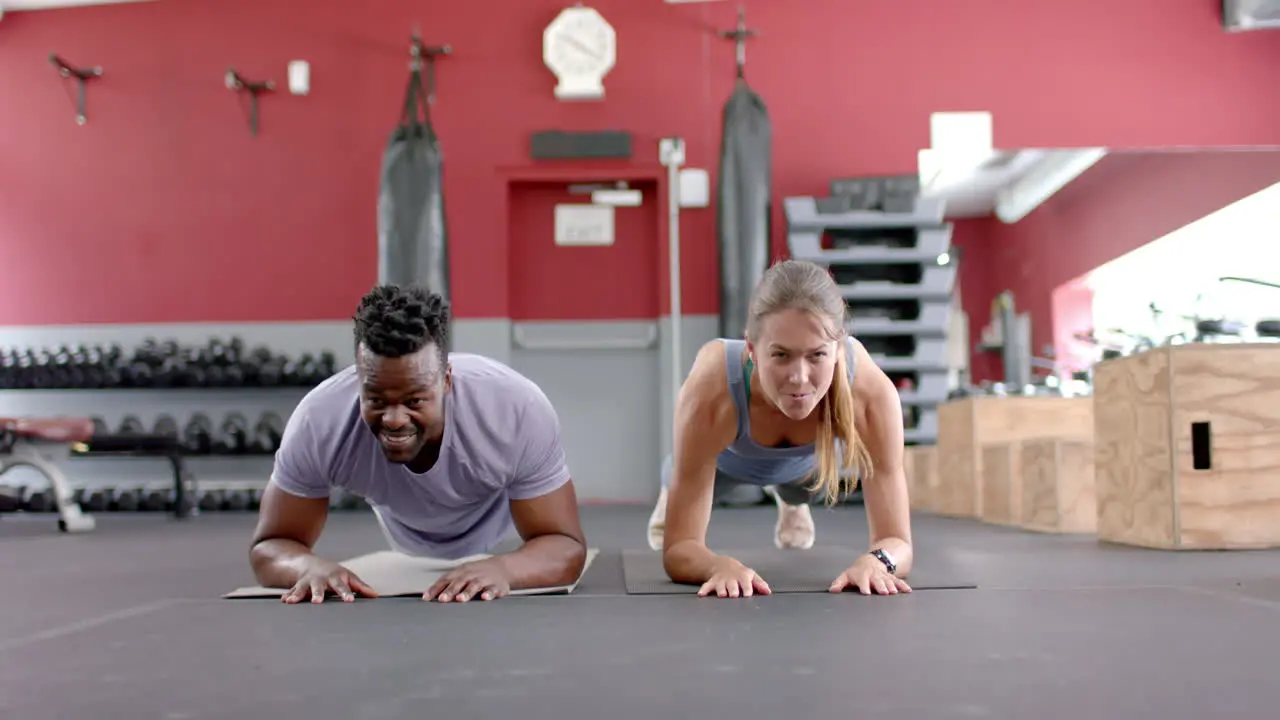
(966,425)
(1001,483)
(1058,490)
(1188,447)
(922,477)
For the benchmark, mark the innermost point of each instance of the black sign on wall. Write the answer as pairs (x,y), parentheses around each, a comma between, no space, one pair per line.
(559,145)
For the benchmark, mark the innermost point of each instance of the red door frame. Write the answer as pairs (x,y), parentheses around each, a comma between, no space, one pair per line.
(596,173)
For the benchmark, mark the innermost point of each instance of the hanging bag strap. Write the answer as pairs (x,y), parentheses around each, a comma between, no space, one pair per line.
(415,97)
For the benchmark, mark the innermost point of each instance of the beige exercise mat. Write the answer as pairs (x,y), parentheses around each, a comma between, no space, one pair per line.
(393,574)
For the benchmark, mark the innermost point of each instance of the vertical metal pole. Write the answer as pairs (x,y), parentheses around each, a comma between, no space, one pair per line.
(673,159)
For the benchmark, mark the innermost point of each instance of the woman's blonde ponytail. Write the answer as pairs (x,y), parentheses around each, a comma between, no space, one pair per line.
(842,456)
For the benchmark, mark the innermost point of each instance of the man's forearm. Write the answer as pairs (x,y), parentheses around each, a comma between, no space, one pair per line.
(279,562)
(544,561)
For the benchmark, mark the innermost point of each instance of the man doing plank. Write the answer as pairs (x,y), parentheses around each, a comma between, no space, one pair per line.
(451,450)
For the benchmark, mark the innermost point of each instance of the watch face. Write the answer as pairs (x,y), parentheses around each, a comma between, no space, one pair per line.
(580,44)
(579,52)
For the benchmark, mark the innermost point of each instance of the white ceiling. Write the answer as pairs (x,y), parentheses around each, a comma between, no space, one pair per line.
(972,193)
(1008,184)
(55,4)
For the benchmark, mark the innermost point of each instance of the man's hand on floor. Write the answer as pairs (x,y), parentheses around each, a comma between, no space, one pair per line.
(484,579)
(324,576)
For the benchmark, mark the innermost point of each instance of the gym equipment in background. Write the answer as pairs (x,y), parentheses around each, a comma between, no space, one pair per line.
(743,193)
(890,252)
(160,364)
(153,498)
(151,425)
(1009,333)
(412,238)
(1167,327)
(1265,329)
(40,444)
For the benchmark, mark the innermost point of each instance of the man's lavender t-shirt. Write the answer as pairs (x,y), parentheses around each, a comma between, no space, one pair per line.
(501,443)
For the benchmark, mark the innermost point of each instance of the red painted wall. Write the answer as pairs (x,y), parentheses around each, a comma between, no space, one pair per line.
(555,282)
(1072,314)
(163,208)
(1125,201)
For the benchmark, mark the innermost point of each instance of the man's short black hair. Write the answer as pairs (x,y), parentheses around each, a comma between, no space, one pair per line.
(394,321)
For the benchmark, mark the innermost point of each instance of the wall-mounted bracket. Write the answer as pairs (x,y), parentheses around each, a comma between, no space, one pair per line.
(82,76)
(417,52)
(739,36)
(236,83)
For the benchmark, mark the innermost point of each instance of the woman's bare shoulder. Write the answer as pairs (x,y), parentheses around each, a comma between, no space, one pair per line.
(705,407)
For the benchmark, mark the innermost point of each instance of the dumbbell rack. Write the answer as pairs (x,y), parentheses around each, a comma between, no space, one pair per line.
(888,249)
(232,472)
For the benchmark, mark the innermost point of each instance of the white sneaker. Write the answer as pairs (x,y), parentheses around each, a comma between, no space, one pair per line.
(795,529)
(658,521)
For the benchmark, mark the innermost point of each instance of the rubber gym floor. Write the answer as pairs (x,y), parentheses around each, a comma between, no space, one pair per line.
(127,622)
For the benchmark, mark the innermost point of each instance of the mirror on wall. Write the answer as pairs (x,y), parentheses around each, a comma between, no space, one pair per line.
(1214,280)
(1109,252)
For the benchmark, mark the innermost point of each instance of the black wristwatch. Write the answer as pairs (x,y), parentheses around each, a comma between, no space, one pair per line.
(883,557)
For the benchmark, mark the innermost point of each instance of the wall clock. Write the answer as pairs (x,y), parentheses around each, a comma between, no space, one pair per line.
(580,47)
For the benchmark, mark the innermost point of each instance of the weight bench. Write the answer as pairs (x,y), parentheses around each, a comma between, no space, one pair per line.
(39,443)
(149,446)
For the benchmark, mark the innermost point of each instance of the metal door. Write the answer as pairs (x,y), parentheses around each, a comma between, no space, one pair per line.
(585,328)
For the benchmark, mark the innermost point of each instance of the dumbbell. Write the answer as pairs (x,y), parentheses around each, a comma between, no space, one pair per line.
(66,368)
(126,500)
(10,500)
(8,363)
(233,435)
(137,374)
(131,425)
(215,375)
(197,436)
(155,500)
(39,501)
(227,353)
(328,363)
(270,371)
(166,426)
(36,371)
(210,500)
(99,500)
(267,433)
(236,500)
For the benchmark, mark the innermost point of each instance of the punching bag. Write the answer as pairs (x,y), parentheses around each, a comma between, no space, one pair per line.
(412,241)
(743,205)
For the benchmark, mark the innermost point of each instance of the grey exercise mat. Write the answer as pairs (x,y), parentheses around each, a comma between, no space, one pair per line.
(786,571)
(394,574)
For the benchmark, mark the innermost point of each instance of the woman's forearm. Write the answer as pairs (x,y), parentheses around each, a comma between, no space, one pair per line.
(689,562)
(889,515)
(900,550)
